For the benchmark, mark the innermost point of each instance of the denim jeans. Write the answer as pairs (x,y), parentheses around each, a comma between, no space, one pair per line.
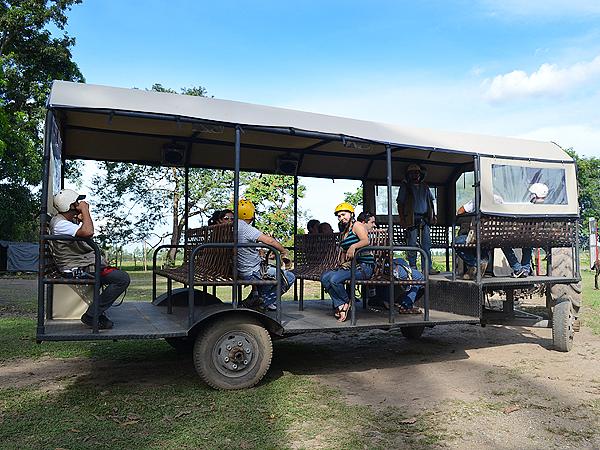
(514,263)
(409,292)
(412,235)
(469,255)
(333,282)
(268,292)
(114,284)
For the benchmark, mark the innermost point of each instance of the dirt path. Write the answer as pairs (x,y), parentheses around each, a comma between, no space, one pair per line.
(495,386)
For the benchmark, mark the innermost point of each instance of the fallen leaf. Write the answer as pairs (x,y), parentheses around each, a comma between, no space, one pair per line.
(510,409)
(133,417)
(74,430)
(409,421)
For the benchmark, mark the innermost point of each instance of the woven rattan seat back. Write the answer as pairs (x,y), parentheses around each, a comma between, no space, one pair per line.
(213,262)
(527,232)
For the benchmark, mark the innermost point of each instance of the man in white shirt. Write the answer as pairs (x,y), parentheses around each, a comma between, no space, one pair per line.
(73,219)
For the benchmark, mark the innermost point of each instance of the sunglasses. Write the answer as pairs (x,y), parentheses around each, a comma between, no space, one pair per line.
(228,218)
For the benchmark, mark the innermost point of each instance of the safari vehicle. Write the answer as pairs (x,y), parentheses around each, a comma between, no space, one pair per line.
(232,345)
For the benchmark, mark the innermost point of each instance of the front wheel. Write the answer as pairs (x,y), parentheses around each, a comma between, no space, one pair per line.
(563,329)
(233,353)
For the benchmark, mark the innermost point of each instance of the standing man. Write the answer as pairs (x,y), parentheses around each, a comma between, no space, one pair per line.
(73,219)
(249,260)
(416,211)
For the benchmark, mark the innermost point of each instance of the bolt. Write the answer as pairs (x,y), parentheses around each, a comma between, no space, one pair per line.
(234,366)
(228,347)
(247,350)
(239,343)
(226,359)
(245,361)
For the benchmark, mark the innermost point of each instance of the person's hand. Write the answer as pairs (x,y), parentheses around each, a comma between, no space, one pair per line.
(82,206)
(350,252)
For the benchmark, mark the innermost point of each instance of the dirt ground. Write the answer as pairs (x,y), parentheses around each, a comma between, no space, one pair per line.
(498,386)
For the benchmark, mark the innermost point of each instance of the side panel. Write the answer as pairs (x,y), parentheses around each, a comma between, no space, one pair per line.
(505,185)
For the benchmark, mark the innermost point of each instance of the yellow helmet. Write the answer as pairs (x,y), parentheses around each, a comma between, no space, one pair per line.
(245,209)
(344,206)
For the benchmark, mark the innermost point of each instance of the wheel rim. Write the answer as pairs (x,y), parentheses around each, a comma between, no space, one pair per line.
(235,353)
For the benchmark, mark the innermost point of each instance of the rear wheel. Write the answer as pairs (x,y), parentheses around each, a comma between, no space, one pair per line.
(233,353)
(412,332)
(562,326)
(562,267)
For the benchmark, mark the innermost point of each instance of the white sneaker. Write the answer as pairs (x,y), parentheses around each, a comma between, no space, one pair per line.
(272,307)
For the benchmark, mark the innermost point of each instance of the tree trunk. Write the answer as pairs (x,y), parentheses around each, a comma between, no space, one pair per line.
(175,219)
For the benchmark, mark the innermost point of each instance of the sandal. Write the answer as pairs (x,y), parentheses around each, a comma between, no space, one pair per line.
(342,314)
(413,310)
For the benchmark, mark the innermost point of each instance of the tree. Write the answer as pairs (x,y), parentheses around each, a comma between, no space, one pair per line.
(354,198)
(273,196)
(588,180)
(30,58)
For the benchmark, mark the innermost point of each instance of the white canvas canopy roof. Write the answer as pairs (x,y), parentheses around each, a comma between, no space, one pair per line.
(116,124)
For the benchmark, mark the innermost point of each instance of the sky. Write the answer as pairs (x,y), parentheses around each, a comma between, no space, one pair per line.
(522,68)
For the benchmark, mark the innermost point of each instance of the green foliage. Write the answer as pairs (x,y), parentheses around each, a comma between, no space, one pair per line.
(354,198)
(273,197)
(30,59)
(588,179)
(18,218)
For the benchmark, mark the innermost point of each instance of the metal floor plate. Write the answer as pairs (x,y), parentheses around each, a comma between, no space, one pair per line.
(143,320)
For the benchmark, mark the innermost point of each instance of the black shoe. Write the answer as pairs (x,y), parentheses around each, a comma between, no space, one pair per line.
(252,300)
(104,323)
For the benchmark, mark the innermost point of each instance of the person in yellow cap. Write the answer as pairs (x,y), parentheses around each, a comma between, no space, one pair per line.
(353,236)
(249,260)
(416,211)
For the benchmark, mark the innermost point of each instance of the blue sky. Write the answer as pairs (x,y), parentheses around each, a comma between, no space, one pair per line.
(513,67)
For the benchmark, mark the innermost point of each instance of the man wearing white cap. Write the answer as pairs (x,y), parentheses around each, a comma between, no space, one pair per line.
(73,219)
(537,194)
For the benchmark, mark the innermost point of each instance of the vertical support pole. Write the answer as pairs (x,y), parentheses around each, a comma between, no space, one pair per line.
(170,296)
(236,198)
(43,221)
(478,216)
(453,250)
(186,188)
(295,229)
(388,155)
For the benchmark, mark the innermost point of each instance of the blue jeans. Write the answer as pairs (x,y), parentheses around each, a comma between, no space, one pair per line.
(469,255)
(268,292)
(410,292)
(514,263)
(412,235)
(333,282)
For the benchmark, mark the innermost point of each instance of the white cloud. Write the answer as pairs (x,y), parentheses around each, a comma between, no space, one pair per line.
(542,8)
(584,139)
(549,79)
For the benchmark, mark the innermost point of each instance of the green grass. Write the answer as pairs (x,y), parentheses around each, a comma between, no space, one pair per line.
(590,314)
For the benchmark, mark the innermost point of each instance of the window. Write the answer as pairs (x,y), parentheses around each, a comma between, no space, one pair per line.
(381,200)
(465,190)
(514,184)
